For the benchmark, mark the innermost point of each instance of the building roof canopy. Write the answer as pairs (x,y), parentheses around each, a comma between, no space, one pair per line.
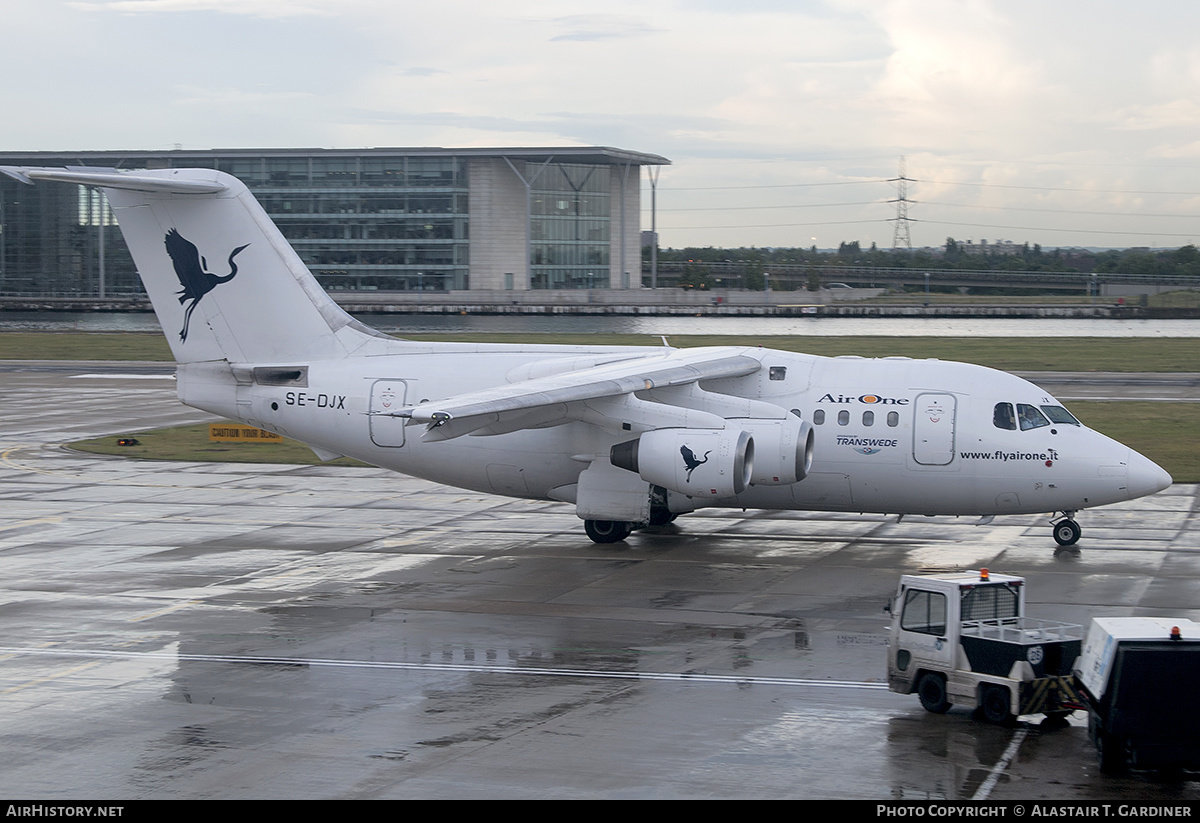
(600,155)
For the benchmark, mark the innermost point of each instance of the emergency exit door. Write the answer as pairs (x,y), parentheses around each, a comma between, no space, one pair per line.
(387,397)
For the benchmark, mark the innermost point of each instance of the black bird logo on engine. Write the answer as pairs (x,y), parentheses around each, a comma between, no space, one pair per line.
(190,269)
(689,460)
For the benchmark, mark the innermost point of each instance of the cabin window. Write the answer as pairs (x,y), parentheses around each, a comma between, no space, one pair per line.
(819,417)
(893,419)
(843,418)
(777,372)
(924,612)
(868,418)
(1030,417)
(1003,417)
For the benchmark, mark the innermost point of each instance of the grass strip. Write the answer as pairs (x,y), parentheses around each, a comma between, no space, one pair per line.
(1070,354)
(191,443)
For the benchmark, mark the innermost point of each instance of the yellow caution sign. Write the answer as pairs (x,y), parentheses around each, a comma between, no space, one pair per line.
(237,433)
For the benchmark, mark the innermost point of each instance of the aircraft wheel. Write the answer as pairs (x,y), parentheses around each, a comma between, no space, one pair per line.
(606,531)
(931,689)
(1066,532)
(995,705)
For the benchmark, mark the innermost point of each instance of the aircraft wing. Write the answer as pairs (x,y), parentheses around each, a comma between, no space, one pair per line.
(599,395)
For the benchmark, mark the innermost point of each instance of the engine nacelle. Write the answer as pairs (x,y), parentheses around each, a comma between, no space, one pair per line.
(695,462)
(783,449)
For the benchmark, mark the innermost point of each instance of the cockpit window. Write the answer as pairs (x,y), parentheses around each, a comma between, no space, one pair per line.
(1030,417)
(1058,414)
(1003,417)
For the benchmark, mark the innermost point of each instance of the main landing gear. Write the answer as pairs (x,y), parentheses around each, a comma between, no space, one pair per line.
(607,531)
(614,531)
(1066,530)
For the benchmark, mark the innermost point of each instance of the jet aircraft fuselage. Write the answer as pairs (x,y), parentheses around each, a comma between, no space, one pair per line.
(631,436)
(891,435)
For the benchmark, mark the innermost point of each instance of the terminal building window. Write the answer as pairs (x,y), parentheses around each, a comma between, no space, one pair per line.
(570,227)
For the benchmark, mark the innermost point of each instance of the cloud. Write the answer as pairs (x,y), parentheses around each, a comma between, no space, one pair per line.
(593,27)
(421,71)
(1064,100)
(254,8)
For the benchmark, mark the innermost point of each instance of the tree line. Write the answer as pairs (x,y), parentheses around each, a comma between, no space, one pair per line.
(1184,261)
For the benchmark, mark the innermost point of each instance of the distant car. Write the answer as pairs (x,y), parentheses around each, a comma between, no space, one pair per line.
(837,286)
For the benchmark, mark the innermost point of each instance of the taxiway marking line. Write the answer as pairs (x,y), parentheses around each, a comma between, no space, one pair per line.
(116,376)
(6,458)
(39,681)
(683,677)
(989,783)
(34,522)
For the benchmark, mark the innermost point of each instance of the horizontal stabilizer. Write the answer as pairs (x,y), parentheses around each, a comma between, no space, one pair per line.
(115,179)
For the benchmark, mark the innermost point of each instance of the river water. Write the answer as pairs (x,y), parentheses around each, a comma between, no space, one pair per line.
(608,324)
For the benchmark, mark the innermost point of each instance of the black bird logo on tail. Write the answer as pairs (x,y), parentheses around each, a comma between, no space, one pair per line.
(190,269)
(689,460)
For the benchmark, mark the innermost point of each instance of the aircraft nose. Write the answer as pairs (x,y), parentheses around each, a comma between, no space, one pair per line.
(1145,476)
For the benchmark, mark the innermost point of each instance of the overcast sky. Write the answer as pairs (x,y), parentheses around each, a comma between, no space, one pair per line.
(1059,122)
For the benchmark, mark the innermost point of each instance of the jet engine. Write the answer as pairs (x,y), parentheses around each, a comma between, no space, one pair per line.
(783,449)
(696,462)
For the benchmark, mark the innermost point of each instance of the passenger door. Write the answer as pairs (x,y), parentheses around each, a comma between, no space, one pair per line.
(933,428)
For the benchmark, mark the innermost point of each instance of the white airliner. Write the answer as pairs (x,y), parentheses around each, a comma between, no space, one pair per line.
(631,436)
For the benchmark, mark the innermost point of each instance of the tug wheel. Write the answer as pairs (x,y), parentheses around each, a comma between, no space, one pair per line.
(931,689)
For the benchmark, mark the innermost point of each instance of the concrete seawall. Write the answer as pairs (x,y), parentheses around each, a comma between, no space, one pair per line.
(652,303)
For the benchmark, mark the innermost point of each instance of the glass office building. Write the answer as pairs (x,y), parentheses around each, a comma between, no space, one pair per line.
(370,219)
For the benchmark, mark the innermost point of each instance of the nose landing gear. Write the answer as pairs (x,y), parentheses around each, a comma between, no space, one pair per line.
(1066,530)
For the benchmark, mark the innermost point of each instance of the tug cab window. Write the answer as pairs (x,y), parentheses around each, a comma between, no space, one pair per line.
(924,612)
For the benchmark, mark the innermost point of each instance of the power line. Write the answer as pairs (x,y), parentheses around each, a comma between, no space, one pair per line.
(1045,229)
(772,225)
(1060,188)
(934,182)
(776,185)
(1060,211)
(785,206)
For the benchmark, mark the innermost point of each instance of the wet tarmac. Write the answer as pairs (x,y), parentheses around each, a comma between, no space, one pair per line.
(191,630)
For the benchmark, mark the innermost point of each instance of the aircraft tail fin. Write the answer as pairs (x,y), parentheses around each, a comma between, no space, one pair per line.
(223,281)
